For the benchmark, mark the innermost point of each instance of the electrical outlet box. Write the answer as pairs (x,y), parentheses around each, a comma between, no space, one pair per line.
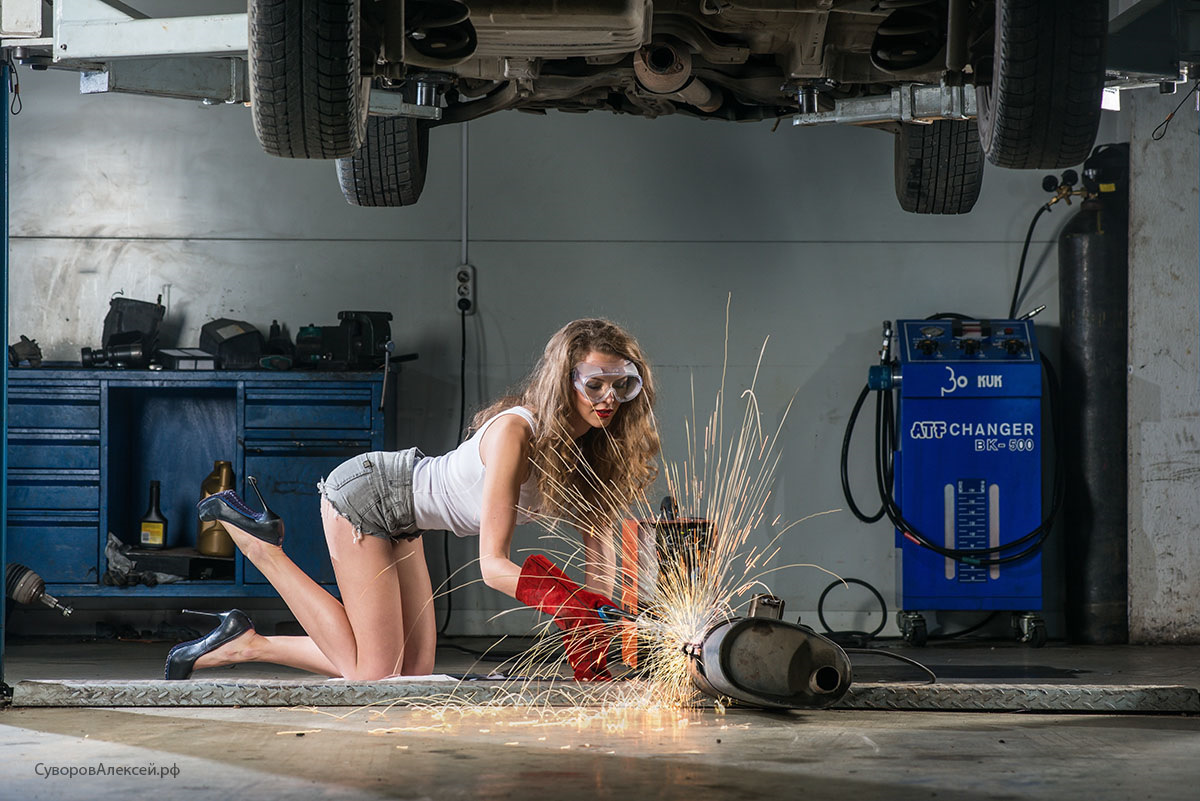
(464,289)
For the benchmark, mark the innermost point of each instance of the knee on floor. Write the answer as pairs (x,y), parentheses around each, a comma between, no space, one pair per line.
(369,674)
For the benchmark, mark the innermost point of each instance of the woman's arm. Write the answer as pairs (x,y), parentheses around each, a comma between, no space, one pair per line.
(600,565)
(504,451)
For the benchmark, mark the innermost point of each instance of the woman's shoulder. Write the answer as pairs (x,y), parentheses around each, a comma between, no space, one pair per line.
(507,429)
(518,418)
(508,417)
(508,438)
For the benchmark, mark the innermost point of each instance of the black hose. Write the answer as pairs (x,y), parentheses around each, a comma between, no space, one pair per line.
(897,657)
(862,396)
(861,637)
(1012,307)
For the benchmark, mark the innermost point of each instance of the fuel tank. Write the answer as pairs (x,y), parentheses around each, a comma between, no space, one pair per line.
(560,28)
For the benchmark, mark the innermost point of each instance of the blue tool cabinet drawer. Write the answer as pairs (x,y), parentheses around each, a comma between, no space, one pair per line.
(53,489)
(324,408)
(30,448)
(60,547)
(49,405)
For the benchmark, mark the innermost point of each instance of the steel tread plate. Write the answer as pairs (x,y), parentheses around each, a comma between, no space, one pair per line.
(1139,699)
(1023,697)
(290,692)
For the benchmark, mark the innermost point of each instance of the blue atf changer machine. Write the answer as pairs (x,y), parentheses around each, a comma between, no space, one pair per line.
(967,469)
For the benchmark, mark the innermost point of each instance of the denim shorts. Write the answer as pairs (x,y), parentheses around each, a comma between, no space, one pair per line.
(374,491)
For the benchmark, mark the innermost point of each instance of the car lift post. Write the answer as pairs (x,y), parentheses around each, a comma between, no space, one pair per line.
(4,112)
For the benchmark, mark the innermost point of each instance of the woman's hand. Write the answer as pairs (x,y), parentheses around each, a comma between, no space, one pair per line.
(575,610)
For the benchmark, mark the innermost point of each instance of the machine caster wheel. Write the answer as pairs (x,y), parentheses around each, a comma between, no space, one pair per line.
(1031,629)
(913,629)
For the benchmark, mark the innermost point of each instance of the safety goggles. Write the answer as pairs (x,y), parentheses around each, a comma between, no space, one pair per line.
(596,383)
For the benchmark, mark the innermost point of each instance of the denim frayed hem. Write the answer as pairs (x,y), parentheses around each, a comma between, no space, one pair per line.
(359,533)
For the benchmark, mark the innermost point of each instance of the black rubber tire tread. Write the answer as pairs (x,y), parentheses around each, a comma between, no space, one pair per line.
(306,89)
(1042,109)
(939,167)
(389,169)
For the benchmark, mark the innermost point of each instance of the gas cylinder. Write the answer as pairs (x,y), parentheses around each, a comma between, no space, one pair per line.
(211,538)
(1094,311)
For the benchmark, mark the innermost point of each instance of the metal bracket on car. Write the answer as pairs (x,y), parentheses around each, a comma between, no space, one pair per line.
(910,102)
(392,104)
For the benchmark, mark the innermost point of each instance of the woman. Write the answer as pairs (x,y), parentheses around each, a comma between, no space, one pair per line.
(589,398)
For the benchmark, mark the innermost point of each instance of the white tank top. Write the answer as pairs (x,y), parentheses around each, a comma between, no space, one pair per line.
(448,489)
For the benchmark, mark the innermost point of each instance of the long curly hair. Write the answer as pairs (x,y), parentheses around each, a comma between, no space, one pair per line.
(619,459)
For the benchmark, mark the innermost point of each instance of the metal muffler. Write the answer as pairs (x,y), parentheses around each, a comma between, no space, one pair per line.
(666,69)
(764,661)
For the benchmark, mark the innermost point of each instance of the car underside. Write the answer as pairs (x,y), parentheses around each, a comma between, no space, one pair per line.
(745,61)
(721,59)
(364,81)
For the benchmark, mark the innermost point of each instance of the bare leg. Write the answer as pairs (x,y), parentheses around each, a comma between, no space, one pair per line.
(363,635)
(418,622)
(297,652)
(416,593)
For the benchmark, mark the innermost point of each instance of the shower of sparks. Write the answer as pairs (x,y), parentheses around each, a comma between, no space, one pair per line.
(721,489)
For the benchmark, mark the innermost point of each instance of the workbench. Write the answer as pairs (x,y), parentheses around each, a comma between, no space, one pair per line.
(84,444)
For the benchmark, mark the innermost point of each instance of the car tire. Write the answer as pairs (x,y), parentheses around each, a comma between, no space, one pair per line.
(1041,108)
(939,167)
(306,88)
(389,169)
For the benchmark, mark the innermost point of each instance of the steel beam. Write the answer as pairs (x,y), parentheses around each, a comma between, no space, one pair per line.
(92,30)
(211,80)
(908,103)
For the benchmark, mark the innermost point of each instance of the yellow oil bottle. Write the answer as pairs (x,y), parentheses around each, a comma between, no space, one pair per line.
(211,538)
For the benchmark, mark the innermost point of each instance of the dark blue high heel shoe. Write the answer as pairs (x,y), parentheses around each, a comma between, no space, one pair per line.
(182,658)
(227,507)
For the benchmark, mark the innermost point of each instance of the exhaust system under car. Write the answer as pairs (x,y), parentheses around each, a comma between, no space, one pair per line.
(662,68)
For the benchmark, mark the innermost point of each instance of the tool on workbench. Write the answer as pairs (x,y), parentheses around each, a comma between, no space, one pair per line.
(26,351)
(358,342)
(130,334)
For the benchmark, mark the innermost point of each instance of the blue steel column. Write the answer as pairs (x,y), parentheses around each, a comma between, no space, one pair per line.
(4,358)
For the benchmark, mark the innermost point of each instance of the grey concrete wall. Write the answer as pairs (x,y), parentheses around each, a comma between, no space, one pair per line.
(1164,379)
(651,223)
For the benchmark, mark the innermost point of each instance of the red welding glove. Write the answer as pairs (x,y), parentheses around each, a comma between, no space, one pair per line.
(585,634)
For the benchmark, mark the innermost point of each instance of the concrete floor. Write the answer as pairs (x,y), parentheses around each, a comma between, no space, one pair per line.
(417,753)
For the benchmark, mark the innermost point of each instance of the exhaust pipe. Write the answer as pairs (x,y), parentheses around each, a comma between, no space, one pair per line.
(664,69)
(764,661)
